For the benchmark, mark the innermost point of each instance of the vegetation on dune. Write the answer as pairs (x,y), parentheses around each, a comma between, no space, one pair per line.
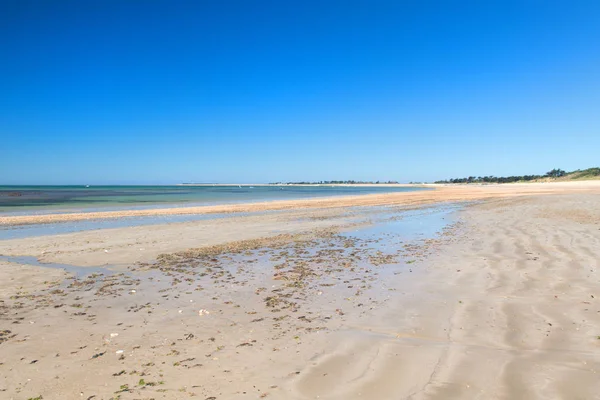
(556,175)
(590,173)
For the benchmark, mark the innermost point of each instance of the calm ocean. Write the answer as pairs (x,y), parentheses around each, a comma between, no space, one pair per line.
(19,199)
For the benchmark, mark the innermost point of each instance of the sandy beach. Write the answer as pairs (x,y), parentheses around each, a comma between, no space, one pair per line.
(466,292)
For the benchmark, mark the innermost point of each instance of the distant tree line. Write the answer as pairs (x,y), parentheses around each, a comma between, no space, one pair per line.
(555,173)
(350,182)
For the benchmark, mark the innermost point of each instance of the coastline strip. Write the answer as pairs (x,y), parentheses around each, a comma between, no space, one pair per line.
(439,194)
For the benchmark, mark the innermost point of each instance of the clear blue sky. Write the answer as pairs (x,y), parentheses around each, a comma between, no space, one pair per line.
(135,91)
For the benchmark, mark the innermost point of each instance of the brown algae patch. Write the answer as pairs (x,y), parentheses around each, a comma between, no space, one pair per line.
(236,247)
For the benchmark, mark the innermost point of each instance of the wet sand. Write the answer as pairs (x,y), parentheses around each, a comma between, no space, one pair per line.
(223,321)
(333,303)
(123,246)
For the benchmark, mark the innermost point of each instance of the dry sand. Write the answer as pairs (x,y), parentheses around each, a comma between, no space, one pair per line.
(509,309)
(502,305)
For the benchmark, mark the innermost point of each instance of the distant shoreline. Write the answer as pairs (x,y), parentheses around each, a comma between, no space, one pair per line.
(308,184)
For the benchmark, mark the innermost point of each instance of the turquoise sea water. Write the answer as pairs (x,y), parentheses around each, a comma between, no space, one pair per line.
(33,199)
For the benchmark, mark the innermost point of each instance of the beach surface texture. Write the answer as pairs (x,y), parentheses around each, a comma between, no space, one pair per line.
(461,292)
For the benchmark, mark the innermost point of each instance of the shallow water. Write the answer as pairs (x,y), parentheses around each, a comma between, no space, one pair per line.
(407,225)
(388,233)
(23,231)
(73,269)
(18,200)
